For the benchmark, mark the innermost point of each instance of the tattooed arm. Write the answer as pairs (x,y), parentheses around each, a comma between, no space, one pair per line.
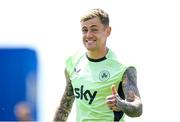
(66,101)
(132,104)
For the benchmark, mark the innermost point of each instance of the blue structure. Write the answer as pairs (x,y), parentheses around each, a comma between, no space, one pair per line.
(18,83)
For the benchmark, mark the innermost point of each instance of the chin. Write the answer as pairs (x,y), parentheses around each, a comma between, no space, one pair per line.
(90,49)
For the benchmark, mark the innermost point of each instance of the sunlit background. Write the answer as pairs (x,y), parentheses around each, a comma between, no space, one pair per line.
(144,33)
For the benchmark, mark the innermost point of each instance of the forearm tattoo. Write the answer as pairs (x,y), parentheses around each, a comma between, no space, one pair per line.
(67,100)
(132,105)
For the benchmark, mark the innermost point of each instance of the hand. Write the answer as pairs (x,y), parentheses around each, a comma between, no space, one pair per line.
(112,100)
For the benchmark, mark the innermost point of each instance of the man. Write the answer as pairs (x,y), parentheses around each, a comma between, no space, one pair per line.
(93,77)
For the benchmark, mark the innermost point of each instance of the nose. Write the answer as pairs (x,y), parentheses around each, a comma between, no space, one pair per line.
(89,34)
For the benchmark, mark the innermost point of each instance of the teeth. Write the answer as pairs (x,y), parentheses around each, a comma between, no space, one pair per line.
(90,40)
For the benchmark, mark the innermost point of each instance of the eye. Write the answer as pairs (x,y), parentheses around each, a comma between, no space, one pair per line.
(94,29)
(84,30)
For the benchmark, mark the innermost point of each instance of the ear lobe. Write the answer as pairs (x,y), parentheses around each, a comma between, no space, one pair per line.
(108,31)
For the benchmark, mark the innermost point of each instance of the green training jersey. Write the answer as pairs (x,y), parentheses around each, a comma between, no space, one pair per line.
(92,81)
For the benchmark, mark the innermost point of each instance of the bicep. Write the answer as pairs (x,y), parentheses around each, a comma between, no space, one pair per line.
(68,96)
(66,101)
(129,84)
(69,87)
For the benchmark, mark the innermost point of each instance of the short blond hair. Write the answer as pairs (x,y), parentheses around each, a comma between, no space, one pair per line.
(97,12)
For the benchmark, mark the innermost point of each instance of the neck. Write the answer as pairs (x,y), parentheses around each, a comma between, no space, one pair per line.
(97,54)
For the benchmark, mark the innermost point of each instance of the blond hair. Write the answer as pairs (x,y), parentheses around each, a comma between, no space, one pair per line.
(97,12)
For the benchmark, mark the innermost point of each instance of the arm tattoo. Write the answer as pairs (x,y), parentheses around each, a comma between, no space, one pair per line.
(67,100)
(132,105)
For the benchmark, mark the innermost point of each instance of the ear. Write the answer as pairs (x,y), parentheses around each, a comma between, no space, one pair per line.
(108,31)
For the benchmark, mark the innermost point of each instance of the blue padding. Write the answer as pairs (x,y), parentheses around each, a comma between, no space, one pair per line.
(18,79)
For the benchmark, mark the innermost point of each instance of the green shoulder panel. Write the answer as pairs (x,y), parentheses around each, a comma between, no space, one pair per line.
(72,61)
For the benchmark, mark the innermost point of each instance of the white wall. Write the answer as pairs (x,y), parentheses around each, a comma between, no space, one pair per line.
(144,33)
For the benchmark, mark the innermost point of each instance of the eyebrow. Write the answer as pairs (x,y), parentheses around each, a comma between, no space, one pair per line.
(90,26)
(93,26)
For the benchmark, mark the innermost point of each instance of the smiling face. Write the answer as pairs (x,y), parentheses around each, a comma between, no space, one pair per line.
(94,34)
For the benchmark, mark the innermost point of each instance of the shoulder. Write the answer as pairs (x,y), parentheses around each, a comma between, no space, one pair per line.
(75,57)
(125,66)
(116,60)
(72,60)
(112,56)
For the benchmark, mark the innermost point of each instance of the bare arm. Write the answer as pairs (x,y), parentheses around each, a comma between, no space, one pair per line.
(132,104)
(67,100)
